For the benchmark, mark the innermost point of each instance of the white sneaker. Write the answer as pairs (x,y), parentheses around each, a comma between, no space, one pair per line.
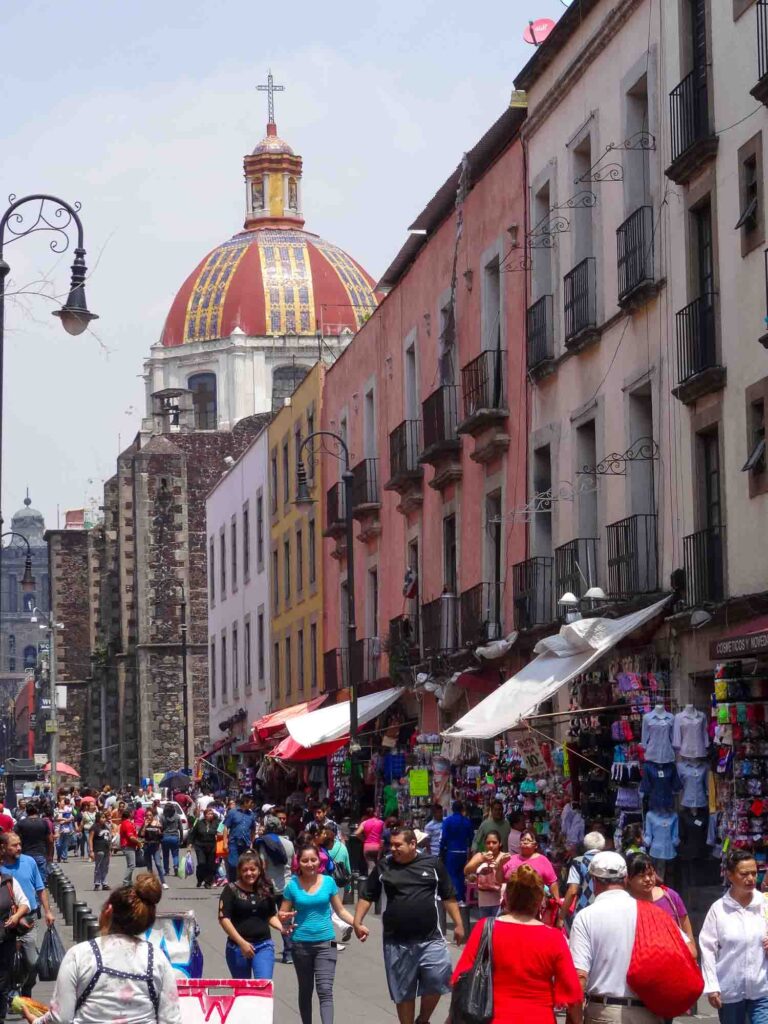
(340,947)
(165,885)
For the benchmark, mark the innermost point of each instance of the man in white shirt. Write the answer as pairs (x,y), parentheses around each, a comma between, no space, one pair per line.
(602,938)
(204,800)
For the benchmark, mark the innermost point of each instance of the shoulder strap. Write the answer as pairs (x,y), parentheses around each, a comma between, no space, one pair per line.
(153,993)
(92,983)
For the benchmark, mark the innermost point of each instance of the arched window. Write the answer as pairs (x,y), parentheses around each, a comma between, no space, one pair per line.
(285,380)
(203,388)
(257,194)
(30,656)
(293,194)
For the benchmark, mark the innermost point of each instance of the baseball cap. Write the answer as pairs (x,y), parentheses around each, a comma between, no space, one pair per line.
(608,866)
(266,808)
(420,836)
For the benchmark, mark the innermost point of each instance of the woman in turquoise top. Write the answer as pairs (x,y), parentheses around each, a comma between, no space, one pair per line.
(308,900)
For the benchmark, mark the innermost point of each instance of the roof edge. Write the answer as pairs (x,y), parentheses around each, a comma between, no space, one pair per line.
(568,24)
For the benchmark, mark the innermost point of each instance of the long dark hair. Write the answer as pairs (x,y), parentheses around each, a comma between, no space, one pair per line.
(263,886)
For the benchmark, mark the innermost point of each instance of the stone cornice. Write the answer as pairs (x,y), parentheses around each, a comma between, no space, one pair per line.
(611,26)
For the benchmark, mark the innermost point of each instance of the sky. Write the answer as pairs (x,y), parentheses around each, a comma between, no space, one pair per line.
(142,112)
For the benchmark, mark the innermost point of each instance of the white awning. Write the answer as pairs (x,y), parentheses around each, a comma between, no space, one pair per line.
(560,658)
(331,723)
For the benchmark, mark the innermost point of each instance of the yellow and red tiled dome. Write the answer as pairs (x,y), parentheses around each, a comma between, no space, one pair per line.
(270,281)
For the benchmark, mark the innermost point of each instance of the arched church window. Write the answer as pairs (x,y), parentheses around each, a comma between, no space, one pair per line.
(285,380)
(257,194)
(29,602)
(293,194)
(203,388)
(30,656)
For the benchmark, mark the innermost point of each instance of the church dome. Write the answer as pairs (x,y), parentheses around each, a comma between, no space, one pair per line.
(30,524)
(273,278)
(267,281)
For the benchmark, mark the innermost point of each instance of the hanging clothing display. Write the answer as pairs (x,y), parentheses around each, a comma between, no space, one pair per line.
(689,733)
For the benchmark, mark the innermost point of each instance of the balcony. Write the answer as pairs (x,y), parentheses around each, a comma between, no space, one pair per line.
(580,304)
(576,566)
(405,472)
(404,648)
(366,663)
(335,670)
(482,613)
(632,557)
(440,625)
(634,244)
(703,557)
(365,488)
(693,142)
(483,385)
(540,337)
(335,511)
(532,590)
(760,91)
(698,371)
(441,441)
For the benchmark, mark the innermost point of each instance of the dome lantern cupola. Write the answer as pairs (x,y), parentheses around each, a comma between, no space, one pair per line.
(272,175)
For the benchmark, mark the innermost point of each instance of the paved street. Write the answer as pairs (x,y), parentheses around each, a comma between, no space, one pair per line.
(360,991)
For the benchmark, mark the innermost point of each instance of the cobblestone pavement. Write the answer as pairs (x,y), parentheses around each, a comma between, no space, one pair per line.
(360,991)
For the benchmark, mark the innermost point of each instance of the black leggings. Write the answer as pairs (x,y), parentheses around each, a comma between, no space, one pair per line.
(206,863)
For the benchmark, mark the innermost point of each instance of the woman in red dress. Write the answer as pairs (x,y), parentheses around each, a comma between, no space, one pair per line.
(532,967)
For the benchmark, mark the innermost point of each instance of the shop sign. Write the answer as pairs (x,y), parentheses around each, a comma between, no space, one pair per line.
(41,760)
(739,646)
(418,782)
(531,755)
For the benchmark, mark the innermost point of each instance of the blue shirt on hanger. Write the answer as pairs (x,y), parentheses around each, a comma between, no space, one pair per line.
(661,835)
(660,783)
(694,779)
(657,736)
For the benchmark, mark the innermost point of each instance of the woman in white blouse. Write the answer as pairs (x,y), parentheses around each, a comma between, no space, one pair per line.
(119,976)
(734,945)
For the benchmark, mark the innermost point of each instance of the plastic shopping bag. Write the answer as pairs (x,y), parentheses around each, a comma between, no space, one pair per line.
(189,867)
(51,955)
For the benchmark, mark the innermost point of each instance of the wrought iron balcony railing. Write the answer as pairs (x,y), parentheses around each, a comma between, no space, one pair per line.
(634,242)
(335,670)
(576,566)
(540,332)
(335,509)
(482,613)
(365,483)
(404,450)
(532,592)
(441,417)
(695,329)
(366,662)
(689,112)
(632,556)
(704,560)
(580,299)
(483,383)
(440,625)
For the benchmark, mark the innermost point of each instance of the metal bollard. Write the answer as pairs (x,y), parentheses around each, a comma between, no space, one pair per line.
(79,910)
(464,911)
(92,930)
(67,901)
(88,919)
(54,883)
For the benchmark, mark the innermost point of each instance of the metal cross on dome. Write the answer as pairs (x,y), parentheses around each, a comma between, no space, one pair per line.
(270,89)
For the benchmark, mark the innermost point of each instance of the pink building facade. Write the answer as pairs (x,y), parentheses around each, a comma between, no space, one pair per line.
(430,398)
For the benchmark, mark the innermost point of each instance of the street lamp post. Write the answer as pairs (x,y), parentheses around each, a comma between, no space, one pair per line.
(51,626)
(27,580)
(47,213)
(304,499)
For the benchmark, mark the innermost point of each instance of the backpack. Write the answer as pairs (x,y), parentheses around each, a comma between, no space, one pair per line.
(674,990)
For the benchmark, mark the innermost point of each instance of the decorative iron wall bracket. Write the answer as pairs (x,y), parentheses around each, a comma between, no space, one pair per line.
(542,501)
(613,171)
(645,449)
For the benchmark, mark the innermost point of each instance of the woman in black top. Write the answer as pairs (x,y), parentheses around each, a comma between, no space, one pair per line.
(152,834)
(247,910)
(99,848)
(203,840)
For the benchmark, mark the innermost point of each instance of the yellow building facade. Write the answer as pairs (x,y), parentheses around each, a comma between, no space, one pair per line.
(296,563)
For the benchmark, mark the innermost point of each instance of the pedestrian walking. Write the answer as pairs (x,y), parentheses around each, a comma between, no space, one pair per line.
(247,911)
(202,838)
(87,818)
(482,868)
(579,888)
(24,870)
(239,825)
(36,834)
(734,946)
(532,968)
(643,884)
(64,823)
(119,976)
(455,844)
(129,844)
(13,909)
(434,830)
(308,900)
(371,831)
(416,957)
(529,854)
(495,822)
(170,821)
(100,849)
(277,852)
(152,835)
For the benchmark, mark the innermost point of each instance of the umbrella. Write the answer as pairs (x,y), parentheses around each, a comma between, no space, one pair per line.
(63,769)
(176,780)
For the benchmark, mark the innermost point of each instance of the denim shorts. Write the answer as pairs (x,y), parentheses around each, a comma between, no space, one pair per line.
(417,969)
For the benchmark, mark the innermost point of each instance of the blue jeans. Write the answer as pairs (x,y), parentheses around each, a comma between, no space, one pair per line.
(748,1011)
(62,847)
(152,857)
(43,866)
(261,966)
(170,850)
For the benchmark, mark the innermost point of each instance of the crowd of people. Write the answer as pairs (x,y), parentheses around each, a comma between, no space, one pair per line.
(282,872)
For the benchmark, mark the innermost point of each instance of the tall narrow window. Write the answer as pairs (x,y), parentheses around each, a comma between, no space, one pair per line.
(260,650)
(705,264)
(313,656)
(311,553)
(235,673)
(275,582)
(212,572)
(247,658)
(260,532)
(276,669)
(297,442)
(203,388)
(13,593)
(412,410)
(586,453)
(273,482)
(246,543)
(492,305)
(309,461)
(233,553)
(450,579)
(224,668)
(213,672)
(286,474)
(710,483)
(369,425)
(287,568)
(542,484)
(288,666)
(299,561)
(372,604)
(300,660)
(223,563)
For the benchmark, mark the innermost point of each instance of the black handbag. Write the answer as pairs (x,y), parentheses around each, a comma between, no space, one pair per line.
(472,999)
